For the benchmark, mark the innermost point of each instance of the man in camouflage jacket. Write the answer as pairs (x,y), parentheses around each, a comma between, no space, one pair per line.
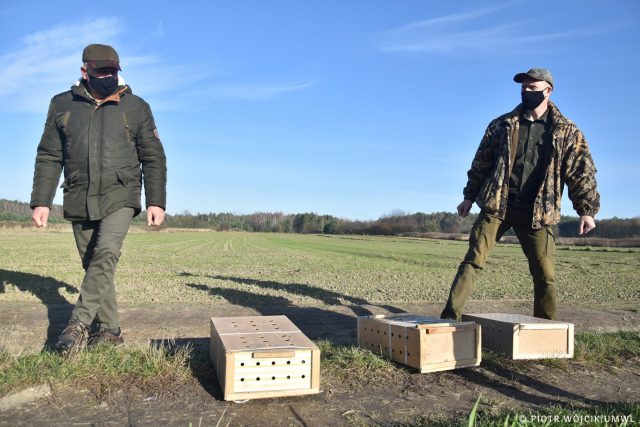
(105,139)
(517,177)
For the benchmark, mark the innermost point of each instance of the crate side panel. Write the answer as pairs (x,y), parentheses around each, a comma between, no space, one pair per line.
(543,343)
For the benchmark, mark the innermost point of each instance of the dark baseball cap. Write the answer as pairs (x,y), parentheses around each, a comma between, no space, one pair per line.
(101,56)
(536,74)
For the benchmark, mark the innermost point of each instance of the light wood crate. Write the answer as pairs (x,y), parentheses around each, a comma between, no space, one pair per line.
(425,343)
(263,356)
(524,337)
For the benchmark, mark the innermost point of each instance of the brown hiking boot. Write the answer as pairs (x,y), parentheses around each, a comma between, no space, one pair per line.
(103,336)
(73,337)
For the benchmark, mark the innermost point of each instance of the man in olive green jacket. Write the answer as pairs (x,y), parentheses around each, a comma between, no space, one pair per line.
(106,141)
(517,177)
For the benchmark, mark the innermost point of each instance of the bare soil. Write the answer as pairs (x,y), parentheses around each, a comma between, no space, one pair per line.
(413,398)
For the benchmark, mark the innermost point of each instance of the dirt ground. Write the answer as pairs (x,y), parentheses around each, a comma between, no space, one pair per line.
(532,386)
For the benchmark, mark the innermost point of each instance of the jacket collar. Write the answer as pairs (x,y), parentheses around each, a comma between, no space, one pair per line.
(79,89)
(554,116)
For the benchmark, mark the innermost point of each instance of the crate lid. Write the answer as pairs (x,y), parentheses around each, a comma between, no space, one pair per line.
(522,321)
(268,333)
(414,320)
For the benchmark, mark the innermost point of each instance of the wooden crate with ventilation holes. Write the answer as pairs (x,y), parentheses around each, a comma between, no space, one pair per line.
(524,337)
(263,356)
(425,343)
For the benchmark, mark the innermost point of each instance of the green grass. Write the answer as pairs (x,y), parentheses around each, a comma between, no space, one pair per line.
(255,268)
(597,348)
(481,416)
(558,416)
(100,370)
(607,348)
(355,366)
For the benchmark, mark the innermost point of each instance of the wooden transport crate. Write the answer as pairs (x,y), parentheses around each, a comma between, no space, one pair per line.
(524,337)
(425,343)
(263,356)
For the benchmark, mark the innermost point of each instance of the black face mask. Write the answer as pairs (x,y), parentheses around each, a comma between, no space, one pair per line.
(104,86)
(532,98)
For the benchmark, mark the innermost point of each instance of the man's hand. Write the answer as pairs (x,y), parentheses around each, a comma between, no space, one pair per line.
(586,224)
(155,215)
(40,216)
(464,208)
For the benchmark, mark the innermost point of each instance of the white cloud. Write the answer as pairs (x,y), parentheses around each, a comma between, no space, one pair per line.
(48,62)
(255,91)
(462,33)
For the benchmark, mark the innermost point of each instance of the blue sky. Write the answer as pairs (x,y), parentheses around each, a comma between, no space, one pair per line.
(349,108)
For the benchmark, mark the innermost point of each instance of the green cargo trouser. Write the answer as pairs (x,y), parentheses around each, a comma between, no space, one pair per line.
(537,245)
(99,244)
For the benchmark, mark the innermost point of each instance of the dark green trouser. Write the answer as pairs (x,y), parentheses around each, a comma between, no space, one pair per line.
(537,245)
(99,244)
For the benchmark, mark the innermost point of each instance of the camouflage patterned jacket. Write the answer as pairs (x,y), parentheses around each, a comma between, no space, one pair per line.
(568,162)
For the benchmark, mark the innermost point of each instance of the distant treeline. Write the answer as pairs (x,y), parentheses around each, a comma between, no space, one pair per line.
(396,223)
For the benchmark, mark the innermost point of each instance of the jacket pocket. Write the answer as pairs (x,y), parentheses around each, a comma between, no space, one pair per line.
(128,178)
(491,188)
(69,181)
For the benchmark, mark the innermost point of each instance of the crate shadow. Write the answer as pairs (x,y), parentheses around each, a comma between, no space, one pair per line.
(512,383)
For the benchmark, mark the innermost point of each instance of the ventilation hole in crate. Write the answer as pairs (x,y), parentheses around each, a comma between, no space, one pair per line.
(400,351)
(273,363)
(288,362)
(391,333)
(303,362)
(257,363)
(393,350)
(385,333)
(291,344)
(242,364)
(303,376)
(288,377)
(408,354)
(241,379)
(273,378)
(378,331)
(257,378)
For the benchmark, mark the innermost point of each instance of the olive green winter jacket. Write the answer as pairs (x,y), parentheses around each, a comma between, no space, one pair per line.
(568,162)
(104,149)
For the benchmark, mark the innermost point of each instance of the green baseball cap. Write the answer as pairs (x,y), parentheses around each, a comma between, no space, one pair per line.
(101,56)
(535,74)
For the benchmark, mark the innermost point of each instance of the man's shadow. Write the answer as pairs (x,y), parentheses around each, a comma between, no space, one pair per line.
(326,296)
(47,290)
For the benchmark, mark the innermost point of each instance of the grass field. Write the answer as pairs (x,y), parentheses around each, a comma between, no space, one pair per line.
(301,269)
